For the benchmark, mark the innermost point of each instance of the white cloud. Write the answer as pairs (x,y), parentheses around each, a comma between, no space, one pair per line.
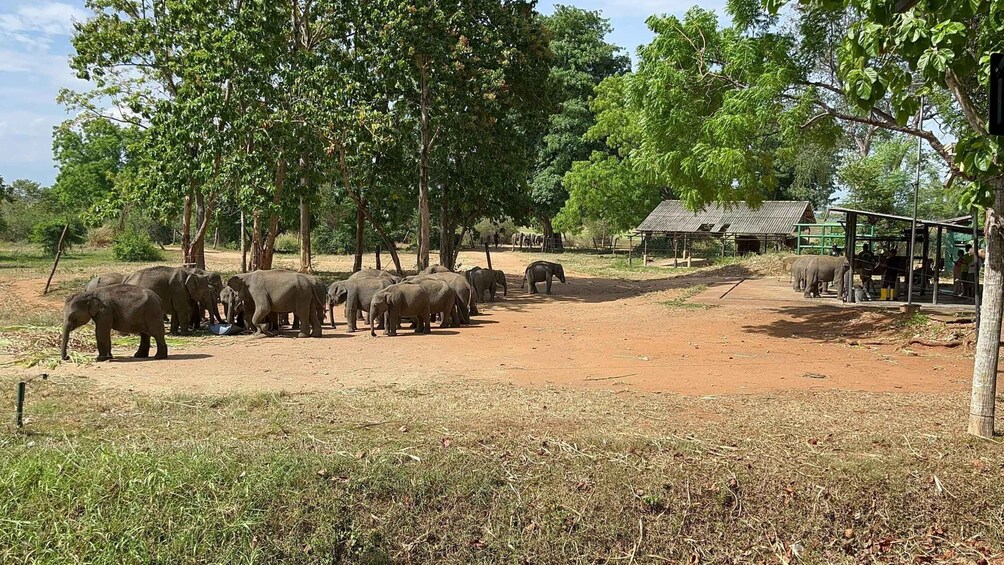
(643,8)
(47,18)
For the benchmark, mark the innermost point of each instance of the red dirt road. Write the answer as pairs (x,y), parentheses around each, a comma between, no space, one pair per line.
(592,332)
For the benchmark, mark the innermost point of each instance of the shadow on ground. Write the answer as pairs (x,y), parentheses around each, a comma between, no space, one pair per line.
(825,322)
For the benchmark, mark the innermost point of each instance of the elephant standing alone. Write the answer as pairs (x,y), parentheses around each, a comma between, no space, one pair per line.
(487,280)
(542,271)
(120,307)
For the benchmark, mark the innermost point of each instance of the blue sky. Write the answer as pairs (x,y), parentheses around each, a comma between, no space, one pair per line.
(35,47)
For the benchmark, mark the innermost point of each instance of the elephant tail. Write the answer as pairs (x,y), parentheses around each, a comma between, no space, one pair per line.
(526,275)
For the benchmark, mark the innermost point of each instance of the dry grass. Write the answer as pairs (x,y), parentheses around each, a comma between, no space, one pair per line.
(481,472)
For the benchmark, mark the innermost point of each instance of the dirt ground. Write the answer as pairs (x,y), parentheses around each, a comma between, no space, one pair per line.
(600,333)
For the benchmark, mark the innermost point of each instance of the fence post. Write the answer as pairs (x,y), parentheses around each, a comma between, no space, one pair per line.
(19,410)
(59,252)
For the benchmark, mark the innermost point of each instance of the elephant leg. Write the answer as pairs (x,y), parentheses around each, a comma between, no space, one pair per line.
(548,283)
(426,323)
(183,322)
(533,286)
(351,313)
(144,346)
(260,318)
(304,316)
(392,322)
(103,333)
(315,323)
(161,346)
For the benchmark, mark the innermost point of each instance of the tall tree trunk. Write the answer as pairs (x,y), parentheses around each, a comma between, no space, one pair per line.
(447,230)
(186,228)
(387,241)
(197,253)
(268,247)
(981,411)
(305,257)
(548,234)
(424,229)
(256,241)
(456,245)
(357,263)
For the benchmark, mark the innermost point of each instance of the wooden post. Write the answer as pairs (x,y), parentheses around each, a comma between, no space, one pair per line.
(19,405)
(630,249)
(675,248)
(244,246)
(378,257)
(59,253)
(488,255)
(850,237)
(937,269)
(644,240)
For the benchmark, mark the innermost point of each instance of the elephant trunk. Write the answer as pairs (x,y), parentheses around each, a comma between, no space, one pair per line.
(66,339)
(505,288)
(229,309)
(215,308)
(331,312)
(373,315)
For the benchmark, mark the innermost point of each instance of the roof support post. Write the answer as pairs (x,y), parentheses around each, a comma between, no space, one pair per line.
(850,243)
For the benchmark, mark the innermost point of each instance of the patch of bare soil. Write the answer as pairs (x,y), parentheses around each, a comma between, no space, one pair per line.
(620,335)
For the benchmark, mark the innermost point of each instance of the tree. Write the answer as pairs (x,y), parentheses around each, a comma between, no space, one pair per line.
(95,165)
(703,118)
(582,59)
(938,49)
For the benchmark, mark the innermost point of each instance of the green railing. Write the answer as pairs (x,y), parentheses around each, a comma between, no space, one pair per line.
(819,239)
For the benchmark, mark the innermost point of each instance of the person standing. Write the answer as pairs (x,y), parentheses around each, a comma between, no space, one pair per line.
(890,276)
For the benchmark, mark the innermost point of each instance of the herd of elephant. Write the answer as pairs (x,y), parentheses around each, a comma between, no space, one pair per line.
(811,273)
(260,301)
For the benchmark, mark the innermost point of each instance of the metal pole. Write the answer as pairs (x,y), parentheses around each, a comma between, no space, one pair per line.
(19,411)
(630,249)
(913,221)
(937,269)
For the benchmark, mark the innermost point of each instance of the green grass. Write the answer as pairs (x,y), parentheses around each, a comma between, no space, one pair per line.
(464,473)
(682,300)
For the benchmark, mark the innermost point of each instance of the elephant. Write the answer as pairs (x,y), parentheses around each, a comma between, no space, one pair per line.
(278,291)
(384,275)
(319,290)
(542,271)
(105,280)
(798,272)
(433,269)
(466,297)
(176,289)
(215,287)
(825,269)
(356,292)
(487,280)
(442,299)
(408,300)
(120,307)
(233,308)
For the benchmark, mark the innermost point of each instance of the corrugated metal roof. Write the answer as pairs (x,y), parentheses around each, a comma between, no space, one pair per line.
(772,217)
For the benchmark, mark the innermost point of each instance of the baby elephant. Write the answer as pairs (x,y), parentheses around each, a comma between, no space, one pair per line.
(120,307)
(404,300)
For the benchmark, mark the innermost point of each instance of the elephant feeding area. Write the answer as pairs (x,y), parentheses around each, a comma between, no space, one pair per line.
(632,416)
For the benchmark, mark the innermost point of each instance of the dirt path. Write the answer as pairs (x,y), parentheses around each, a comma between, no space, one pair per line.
(592,332)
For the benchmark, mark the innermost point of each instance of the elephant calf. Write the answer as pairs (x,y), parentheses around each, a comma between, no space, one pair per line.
(405,300)
(487,280)
(120,307)
(542,271)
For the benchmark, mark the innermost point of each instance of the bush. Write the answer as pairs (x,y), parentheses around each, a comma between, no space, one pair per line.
(47,234)
(101,236)
(287,243)
(324,239)
(135,246)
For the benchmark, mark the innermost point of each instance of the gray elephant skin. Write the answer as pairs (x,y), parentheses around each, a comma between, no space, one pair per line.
(433,269)
(404,300)
(105,280)
(824,269)
(487,280)
(215,281)
(176,290)
(120,307)
(276,291)
(442,299)
(542,271)
(466,297)
(357,292)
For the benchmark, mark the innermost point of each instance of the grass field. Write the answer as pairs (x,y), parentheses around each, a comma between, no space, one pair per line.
(493,473)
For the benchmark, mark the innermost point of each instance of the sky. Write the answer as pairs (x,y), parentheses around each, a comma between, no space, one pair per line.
(35,50)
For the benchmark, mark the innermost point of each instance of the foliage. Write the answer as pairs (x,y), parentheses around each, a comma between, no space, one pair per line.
(94,167)
(287,243)
(135,246)
(702,118)
(582,59)
(48,233)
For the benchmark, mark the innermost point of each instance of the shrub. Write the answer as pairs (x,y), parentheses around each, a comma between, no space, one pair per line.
(135,246)
(287,243)
(101,236)
(48,232)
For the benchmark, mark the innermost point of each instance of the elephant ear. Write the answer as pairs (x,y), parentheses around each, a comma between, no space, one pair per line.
(192,284)
(95,306)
